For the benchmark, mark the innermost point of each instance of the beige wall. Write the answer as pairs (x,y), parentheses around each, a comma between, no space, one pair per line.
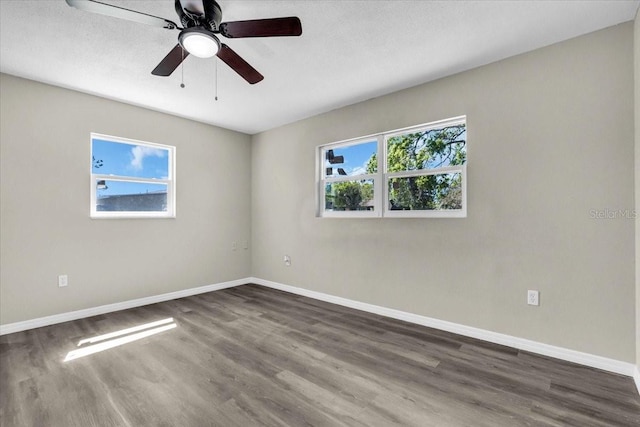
(550,138)
(46,230)
(636,55)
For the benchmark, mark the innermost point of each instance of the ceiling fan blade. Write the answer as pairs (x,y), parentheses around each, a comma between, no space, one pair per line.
(170,62)
(239,65)
(275,27)
(122,13)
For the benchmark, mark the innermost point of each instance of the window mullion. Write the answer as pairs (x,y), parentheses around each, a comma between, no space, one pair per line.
(380,185)
(130,179)
(343,178)
(424,172)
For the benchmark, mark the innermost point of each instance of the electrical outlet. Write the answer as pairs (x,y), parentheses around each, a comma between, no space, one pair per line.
(287,260)
(234,246)
(533,298)
(63,280)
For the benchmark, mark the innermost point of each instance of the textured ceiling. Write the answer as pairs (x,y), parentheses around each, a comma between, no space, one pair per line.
(349,51)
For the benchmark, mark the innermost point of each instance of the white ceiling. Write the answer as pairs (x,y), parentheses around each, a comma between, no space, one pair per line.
(349,51)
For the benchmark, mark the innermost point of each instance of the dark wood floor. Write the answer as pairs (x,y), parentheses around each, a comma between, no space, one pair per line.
(252,356)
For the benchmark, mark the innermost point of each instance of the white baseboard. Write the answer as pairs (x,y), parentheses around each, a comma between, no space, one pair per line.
(94,311)
(604,363)
(636,377)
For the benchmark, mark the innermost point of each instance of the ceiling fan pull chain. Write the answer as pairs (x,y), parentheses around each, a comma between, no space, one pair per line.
(182,70)
(216,83)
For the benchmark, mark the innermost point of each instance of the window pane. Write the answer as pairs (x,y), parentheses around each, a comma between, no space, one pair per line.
(427,149)
(427,192)
(121,159)
(349,196)
(358,159)
(124,196)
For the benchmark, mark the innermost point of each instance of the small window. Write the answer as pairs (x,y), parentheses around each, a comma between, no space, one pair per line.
(348,178)
(422,173)
(131,179)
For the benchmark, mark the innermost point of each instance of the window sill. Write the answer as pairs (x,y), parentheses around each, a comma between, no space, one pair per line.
(130,215)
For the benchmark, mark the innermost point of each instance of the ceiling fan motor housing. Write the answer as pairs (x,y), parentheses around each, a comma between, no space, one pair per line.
(205,13)
(213,12)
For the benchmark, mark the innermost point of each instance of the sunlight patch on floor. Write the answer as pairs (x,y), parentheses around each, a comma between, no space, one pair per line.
(118,338)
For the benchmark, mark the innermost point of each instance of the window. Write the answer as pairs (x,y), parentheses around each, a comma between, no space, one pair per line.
(131,179)
(422,173)
(350,181)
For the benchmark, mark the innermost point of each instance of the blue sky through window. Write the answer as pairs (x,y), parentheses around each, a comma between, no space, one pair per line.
(355,158)
(129,160)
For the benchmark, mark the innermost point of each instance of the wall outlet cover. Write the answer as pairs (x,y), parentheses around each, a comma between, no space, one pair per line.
(63,280)
(533,297)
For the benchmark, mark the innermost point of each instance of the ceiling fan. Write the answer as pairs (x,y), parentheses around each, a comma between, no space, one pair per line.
(201,22)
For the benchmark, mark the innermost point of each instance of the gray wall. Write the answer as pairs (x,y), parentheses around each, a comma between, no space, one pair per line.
(550,138)
(46,229)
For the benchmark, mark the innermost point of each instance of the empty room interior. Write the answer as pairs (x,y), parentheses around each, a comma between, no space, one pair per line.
(319,213)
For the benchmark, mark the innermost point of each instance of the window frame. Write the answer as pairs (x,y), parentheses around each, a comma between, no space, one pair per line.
(382,177)
(170,182)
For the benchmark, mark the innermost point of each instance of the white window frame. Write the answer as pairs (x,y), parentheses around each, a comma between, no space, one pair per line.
(382,176)
(170,182)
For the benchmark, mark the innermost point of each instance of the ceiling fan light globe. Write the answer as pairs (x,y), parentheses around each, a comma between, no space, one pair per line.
(199,42)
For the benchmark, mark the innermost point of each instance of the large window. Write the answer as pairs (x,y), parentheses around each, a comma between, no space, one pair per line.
(131,179)
(422,173)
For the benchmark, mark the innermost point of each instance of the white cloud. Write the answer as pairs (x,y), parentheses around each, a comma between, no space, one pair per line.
(360,170)
(139,152)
